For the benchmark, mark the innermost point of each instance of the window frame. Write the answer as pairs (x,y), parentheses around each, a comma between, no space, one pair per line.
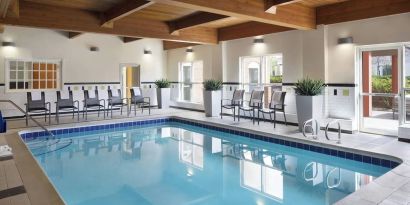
(264,71)
(8,80)
(192,77)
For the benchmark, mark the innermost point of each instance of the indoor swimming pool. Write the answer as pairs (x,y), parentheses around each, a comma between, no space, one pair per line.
(166,162)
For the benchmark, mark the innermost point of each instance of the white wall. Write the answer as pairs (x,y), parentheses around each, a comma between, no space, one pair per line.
(209,54)
(80,65)
(387,29)
(288,43)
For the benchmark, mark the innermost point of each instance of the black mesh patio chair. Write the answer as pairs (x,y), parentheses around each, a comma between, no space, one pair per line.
(254,104)
(277,104)
(38,106)
(93,103)
(116,101)
(65,104)
(236,101)
(137,99)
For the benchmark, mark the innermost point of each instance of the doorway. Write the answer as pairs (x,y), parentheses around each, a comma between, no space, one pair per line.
(130,75)
(383,79)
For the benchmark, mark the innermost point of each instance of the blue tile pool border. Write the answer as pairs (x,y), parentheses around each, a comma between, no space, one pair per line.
(28,136)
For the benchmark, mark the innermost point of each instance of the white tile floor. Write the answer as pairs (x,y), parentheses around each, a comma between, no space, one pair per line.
(391,188)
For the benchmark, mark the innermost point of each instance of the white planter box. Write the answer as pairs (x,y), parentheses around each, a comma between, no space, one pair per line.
(212,103)
(309,107)
(163,97)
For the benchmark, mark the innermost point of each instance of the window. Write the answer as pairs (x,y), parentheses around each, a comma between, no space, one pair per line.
(191,78)
(26,75)
(259,70)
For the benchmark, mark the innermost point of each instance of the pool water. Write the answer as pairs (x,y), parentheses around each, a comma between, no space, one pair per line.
(175,163)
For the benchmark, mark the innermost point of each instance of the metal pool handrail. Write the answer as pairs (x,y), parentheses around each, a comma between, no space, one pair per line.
(314,131)
(339,139)
(29,116)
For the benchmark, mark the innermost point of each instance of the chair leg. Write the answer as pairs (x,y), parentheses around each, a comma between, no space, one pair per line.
(149,109)
(86,113)
(121,109)
(234,114)
(73,112)
(110,109)
(57,116)
(78,114)
(135,109)
(45,116)
(253,116)
(239,114)
(284,116)
(98,112)
(49,116)
(221,112)
(274,119)
(26,118)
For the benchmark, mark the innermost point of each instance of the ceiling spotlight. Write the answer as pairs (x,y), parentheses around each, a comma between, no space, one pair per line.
(147,52)
(189,50)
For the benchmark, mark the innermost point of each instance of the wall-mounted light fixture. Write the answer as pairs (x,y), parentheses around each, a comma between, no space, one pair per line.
(147,52)
(8,44)
(94,48)
(189,50)
(258,40)
(346,40)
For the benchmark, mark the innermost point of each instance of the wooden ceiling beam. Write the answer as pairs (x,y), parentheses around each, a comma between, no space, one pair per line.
(360,9)
(192,20)
(129,39)
(248,29)
(4,7)
(76,20)
(121,10)
(294,15)
(271,5)
(72,35)
(168,45)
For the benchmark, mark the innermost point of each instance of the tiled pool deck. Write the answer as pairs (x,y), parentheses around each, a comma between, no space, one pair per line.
(391,188)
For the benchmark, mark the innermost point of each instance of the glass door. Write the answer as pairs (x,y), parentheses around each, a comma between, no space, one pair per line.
(186,78)
(380,87)
(406,90)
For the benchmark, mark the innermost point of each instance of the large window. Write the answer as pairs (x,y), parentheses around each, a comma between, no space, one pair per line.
(26,75)
(259,70)
(191,79)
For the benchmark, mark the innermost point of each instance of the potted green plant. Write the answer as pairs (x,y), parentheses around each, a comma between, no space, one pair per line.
(163,93)
(309,100)
(212,97)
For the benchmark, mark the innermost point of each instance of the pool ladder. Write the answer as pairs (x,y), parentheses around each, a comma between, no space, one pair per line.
(314,131)
(313,125)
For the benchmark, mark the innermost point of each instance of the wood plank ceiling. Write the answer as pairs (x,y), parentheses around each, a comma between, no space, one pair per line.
(190,22)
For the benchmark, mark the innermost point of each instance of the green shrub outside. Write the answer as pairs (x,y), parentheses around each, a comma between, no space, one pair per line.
(276,79)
